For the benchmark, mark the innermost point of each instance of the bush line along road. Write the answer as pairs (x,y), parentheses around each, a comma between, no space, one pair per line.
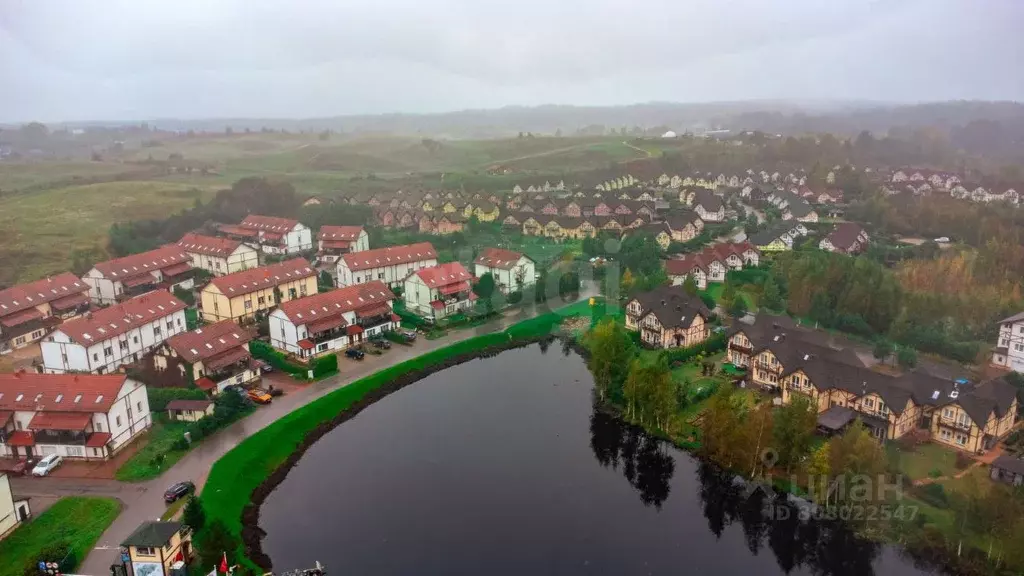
(144,501)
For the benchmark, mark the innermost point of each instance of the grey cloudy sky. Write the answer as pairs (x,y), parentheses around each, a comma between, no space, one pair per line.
(140,59)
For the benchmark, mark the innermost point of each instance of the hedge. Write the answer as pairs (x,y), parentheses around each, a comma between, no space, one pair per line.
(325,365)
(276,358)
(159,397)
(715,343)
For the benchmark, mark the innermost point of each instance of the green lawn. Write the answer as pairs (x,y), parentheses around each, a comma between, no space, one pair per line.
(924,460)
(78,520)
(159,440)
(715,290)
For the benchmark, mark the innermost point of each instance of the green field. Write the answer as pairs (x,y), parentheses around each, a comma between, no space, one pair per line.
(77,520)
(42,229)
(16,176)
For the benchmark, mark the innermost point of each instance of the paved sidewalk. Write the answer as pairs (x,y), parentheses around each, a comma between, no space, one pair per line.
(144,501)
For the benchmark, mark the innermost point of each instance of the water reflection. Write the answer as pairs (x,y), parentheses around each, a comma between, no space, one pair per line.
(820,546)
(642,458)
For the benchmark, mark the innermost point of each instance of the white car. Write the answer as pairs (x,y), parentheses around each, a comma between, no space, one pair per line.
(942,240)
(47,465)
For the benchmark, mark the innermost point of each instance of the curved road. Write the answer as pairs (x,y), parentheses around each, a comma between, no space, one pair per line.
(144,501)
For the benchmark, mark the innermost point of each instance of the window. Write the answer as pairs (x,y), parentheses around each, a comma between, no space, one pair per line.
(248,304)
(139,405)
(75,451)
(302,289)
(261,300)
(170,325)
(19,340)
(945,434)
(1019,346)
(99,426)
(380,276)
(156,330)
(135,339)
(144,551)
(947,413)
(179,323)
(108,351)
(37,334)
(18,425)
(122,344)
(869,403)
(961,439)
(64,358)
(291,293)
(282,331)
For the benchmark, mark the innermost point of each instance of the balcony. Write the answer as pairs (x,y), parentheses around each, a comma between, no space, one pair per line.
(776,368)
(965,426)
(740,347)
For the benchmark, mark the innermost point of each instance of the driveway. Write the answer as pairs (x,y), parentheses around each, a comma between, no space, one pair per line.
(144,501)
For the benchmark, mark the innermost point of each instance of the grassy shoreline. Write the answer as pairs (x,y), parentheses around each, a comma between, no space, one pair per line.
(244,476)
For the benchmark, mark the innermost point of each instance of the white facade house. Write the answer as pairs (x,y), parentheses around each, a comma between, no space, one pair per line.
(167,267)
(213,357)
(102,341)
(333,320)
(333,241)
(218,256)
(273,235)
(83,416)
(439,291)
(1009,352)
(511,270)
(28,312)
(390,265)
(13,511)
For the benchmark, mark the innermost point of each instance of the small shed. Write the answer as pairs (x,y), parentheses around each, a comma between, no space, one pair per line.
(1009,469)
(189,410)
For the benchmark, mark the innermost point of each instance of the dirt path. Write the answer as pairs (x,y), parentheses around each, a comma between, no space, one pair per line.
(648,153)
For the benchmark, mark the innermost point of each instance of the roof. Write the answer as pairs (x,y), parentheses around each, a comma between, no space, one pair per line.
(248,281)
(28,391)
(680,219)
(74,421)
(21,438)
(208,341)
(355,297)
(22,317)
(208,245)
(770,234)
(268,223)
(205,383)
(1012,319)
(1009,463)
(153,533)
(98,439)
(69,302)
(189,404)
(346,233)
(498,258)
(836,417)
(30,295)
(799,207)
(672,306)
(707,199)
(389,256)
(444,275)
(136,264)
(115,320)
(844,235)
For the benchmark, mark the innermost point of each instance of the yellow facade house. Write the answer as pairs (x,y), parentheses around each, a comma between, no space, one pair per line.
(158,547)
(242,294)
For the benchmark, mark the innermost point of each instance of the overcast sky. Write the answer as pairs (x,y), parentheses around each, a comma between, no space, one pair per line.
(139,59)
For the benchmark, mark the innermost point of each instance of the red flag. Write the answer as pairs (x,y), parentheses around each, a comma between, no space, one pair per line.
(224,564)
(180,557)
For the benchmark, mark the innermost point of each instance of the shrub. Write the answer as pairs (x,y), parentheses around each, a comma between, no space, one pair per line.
(185,296)
(934,473)
(276,358)
(963,461)
(325,365)
(715,343)
(159,397)
(933,494)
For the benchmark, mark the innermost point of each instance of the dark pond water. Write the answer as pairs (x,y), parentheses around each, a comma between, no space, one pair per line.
(502,466)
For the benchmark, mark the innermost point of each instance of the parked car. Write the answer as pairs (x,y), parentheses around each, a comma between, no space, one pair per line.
(47,465)
(259,396)
(410,335)
(179,490)
(274,392)
(23,467)
(942,239)
(382,343)
(264,367)
(355,353)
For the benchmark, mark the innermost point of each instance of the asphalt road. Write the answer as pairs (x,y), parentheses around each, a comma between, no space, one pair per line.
(144,501)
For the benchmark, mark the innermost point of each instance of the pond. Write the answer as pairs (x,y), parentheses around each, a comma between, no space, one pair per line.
(503,466)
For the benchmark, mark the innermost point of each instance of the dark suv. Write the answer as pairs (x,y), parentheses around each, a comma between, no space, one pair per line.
(179,490)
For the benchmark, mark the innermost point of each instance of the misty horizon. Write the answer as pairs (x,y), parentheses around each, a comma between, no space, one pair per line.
(123,61)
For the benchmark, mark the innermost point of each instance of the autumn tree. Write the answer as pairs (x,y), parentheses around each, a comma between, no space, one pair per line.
(857,456)
(626,284)
(793,431)
(611,350)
